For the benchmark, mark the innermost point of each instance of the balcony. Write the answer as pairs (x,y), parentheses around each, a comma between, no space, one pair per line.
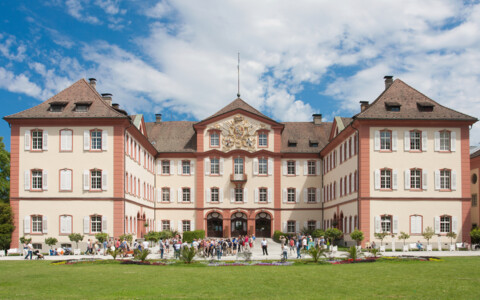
(238,178)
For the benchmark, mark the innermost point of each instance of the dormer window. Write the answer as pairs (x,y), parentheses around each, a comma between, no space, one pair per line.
(82,106)
(392,106)
(57,106)
(292,143)
(313,143)
(425,106)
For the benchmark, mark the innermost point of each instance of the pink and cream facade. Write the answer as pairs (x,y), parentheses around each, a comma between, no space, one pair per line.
(80,164)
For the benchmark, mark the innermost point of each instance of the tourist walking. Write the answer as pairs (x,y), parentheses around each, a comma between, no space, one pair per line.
(264,247)
(161,247)
(29,250)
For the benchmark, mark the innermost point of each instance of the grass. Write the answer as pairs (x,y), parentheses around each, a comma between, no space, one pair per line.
(455,277)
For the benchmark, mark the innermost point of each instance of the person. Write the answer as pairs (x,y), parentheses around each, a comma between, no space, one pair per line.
(373,246)
(177,246)
(89,247)
(264,247)
(162,248)
(105,247)
(299,247)
(218,250)
(292,245)
(29,250)
(145,244)
(284,252)
(25,248)
(419,246)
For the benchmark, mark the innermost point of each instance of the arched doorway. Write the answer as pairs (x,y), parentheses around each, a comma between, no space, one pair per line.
(239,224)
(214,225)
(263,225)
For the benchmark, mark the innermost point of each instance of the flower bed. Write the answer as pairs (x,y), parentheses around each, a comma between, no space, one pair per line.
(353,261)
(233,264)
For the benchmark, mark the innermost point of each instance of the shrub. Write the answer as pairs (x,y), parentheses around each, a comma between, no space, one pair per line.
(475,235)
(166,234)
(333,234)
(51,242)
(452,235)
(318,233)
(141,255)
(381,236)
(428,234)
(115,252)
(187,254)
(404,236)
(316,253)
(127,237)
(101,237)
(375,252)
(189,236)
(357,236)
(353,253)
(152,236)
(25,240)
(75,237)
(277,234)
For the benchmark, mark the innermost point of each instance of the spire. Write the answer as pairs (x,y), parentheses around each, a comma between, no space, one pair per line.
(238,73)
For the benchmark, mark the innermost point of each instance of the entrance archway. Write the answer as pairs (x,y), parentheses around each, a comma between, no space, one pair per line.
(214,225)
(239,224)
(263,225)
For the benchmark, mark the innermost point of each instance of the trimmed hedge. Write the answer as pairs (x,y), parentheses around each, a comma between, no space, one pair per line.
(277,234)
(189,236)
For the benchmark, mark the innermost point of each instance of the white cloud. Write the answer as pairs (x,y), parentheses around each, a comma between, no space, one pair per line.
(75,9)
(18,83)
(11,49)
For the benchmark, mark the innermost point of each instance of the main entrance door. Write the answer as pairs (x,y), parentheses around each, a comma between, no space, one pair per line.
(263,225)
(239,224)
(214,225)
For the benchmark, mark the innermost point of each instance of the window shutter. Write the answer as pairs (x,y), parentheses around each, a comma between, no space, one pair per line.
(297,167)
(284,167)
(437,179)
(454,180)
(437,140)
(413,224)
(337,190)
(394,140)
(305,195)
(297,226)
(192,196)
(347,184)
(255,166)
(192,167)
(179,195)
(453,141)
(220,197)
(45,180)
(180,226)
(62,224)
(318,225)
(26,224)
(284,195)
(192,225)
(305,224)
(341,153)
(407,179)
(172,225)
(424,179)
(159,195)
(245,195)
(269,196)
(406,141)
(346,150)
(105,181)
(305,167)
(270,166)
(419,224)
(318,167)
(255,196)
(284,226)
(69,178)
(68,225)
(318,195)
(172,167)
(45,140)
(455,224)
(221,165)
(207,166)
(62,182)
(297,198)
(86,224)
(86,140)
(27,180)
(394,180)
(27,140)
(159,167)
(104,224)
(377,181)
(378,227)
(395,224)
(232,195)
(86,183)
(437,225)
(179,167)
(105,140)
(424,141)
(207,195)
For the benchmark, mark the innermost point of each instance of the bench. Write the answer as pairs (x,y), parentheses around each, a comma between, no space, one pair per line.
(13,251)
(2,253)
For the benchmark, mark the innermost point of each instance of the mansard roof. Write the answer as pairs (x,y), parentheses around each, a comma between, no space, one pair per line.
(305,134)
(410,102)
(172,136)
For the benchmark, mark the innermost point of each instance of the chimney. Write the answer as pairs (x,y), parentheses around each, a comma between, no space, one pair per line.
(107,97)
(317,119)
(93,82)
(116,105)
(158,118)
(388,81)
(363,105)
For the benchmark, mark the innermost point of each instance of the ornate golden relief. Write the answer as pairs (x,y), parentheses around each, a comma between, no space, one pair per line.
(238,134)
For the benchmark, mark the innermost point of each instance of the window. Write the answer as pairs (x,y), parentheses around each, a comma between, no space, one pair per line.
(415,140)
(186,225)
(186,167)
(238,195)
(37,246)
(165,167)
(386,223)
(415,179)
(291,168)
(385,179)
(385,140)
(474,200)
(291,195)
(291,226)
(37,177)
(165,194)
(214,192)
(65,180)
(445,180)
(37,224)
(214,166)
(66,140)
(96,224)
(65,224)
(312,169)
(445,224)
(66,245)
(416,224)
(262,139)
(37,139)
(214,139)
(96,139)
(444,140)
(96,179)
(238,165)
(262,195)
(82,107)
(165,225)
(312,195)
(311,225)
(262,166)
(186,194)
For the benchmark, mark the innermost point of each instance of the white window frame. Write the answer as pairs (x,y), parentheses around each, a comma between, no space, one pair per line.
(445,224)
(385,179)
(96,221)
(262,139)
(96,180)
(263,195)
(386,223)
(214,139)
(262,166)
(186,225)
(291,167)
(186,169)
(37,180)
(166,194)
(96,139)
(37,224)
(214,166)
(186,195)
(215,194)
(37,140)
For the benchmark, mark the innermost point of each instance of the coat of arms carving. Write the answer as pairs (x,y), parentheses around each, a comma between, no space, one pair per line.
(238,134)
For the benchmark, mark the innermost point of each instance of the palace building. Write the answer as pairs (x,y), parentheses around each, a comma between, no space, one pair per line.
(80,164)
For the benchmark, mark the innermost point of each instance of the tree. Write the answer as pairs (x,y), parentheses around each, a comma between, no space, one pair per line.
(6,225)
(403,236)
(4,173)
(75,237)
(357,236)
(452,235)
(475,235)
(101,237)
(152,236)
(381,236)
(318,233)
(428,233)
(127,237)
(25,240)
(333,234)
(51,241)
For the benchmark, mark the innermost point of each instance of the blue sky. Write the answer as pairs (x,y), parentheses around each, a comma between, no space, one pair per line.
(179,58)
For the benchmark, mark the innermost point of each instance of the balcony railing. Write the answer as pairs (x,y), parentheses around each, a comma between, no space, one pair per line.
(238,177)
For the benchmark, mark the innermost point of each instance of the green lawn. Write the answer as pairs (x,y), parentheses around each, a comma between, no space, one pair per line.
(451,278)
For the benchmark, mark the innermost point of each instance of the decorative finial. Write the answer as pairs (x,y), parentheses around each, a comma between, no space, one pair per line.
(238,72)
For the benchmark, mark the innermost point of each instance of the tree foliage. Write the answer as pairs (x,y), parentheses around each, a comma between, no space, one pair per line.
(428,234)
(381,236)
(6,225)
(75,237)
(4,173)
(51,241)
(452,235)
(333,234)
(101,237)
(475,235)
(404,236)
(316,253)
(357,236)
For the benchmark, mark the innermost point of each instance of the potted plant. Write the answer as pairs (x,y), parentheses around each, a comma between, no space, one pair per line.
(51,242)
(428,234)
(404,236)
(76,237)
(357,236)
(452,235)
